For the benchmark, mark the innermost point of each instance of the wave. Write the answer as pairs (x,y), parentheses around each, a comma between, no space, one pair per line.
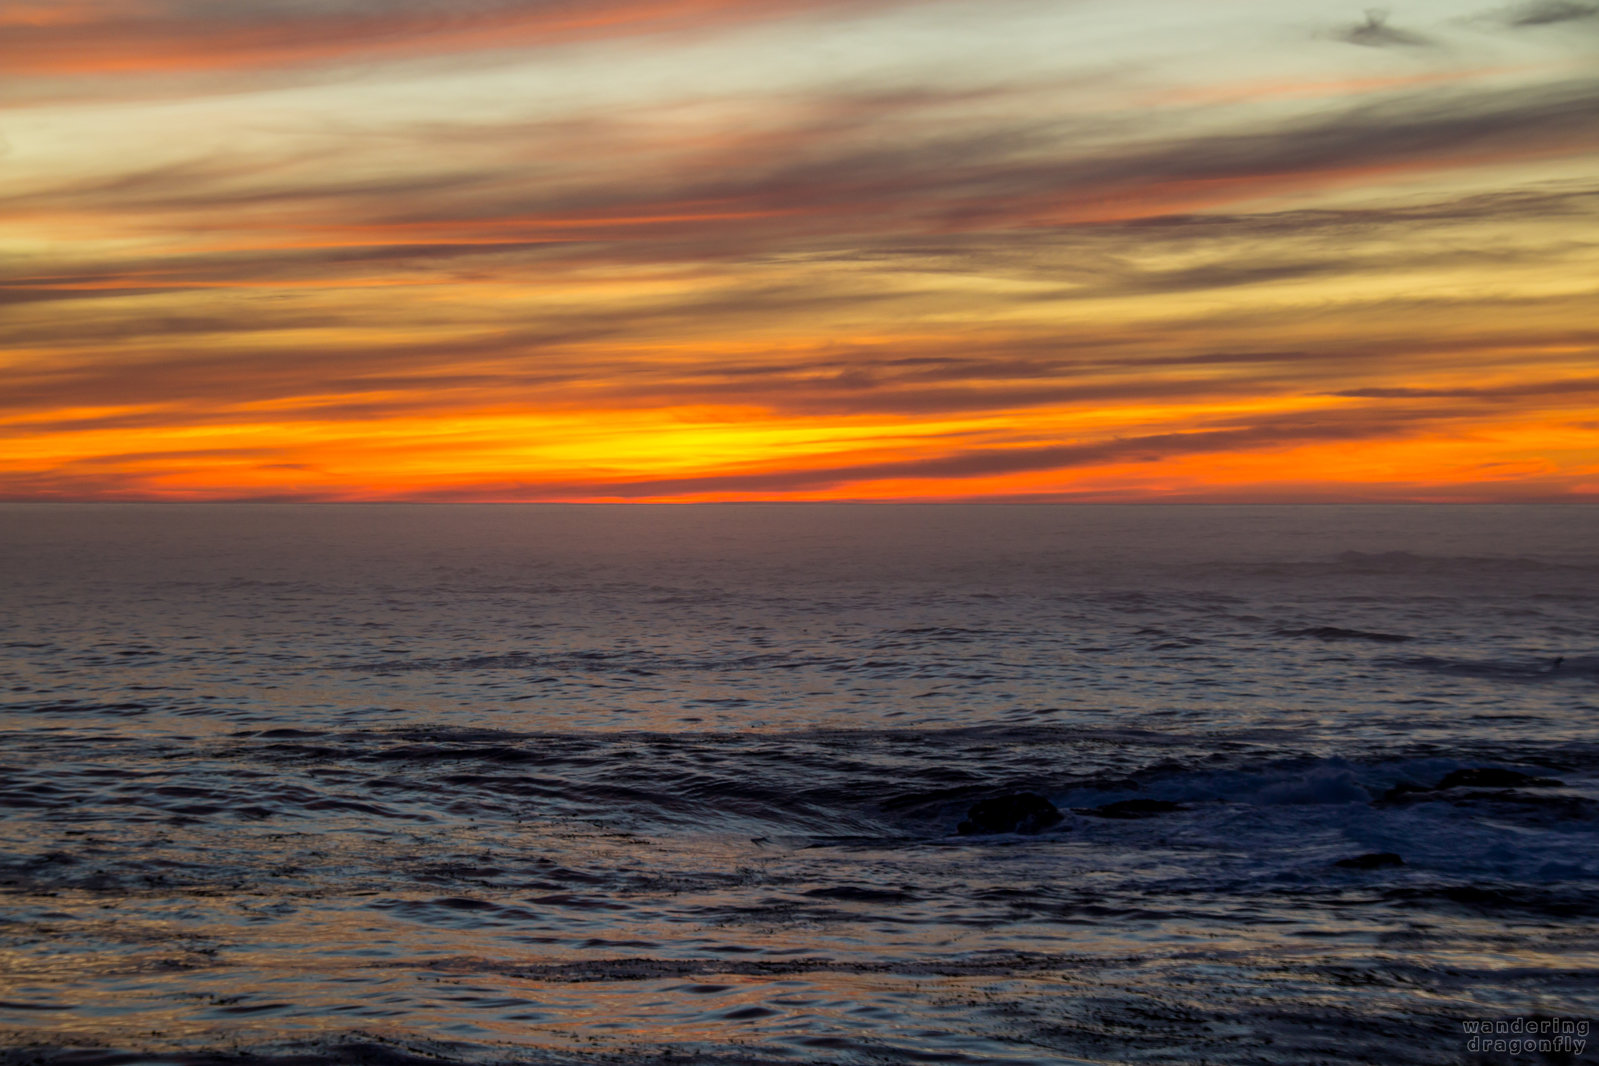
(1339,633)
(1521,668)
(1407,562)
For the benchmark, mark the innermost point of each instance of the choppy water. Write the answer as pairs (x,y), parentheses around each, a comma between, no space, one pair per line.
(572,785)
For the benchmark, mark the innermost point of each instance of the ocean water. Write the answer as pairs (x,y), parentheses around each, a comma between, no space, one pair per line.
(552,784)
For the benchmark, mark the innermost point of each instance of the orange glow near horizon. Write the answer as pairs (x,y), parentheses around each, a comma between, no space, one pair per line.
(694,250)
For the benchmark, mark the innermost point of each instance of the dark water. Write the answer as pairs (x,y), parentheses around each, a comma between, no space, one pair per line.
(613,785)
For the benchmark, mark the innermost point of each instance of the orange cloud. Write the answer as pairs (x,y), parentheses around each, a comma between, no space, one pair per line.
(156,37)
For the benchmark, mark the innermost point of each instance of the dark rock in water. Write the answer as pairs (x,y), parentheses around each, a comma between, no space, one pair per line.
(1023,812)
(1135,808)
(1374,860)
(1492,777)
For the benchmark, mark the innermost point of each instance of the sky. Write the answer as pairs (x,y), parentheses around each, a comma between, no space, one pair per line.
(689,250)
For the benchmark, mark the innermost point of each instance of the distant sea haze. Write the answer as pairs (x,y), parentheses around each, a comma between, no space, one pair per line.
(798,784)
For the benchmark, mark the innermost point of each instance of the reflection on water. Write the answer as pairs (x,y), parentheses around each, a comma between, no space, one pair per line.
(580,784)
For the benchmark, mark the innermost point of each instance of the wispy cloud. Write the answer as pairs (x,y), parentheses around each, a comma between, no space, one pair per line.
(1549,12)
(1375,32)
(808,185)
(166,36)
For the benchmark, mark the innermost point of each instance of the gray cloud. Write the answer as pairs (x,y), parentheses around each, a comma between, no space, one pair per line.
(875,190)
(1375,32)
(1563,388)
(1548,12)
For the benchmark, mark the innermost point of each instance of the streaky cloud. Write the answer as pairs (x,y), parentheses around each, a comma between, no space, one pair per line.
(808,189)
(1562,387)
(637,249)
(1550,12)
(162,37)
(974,463)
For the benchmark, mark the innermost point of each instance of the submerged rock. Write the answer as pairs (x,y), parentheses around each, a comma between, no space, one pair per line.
(1374,860)
(1135,808)
(1022,812)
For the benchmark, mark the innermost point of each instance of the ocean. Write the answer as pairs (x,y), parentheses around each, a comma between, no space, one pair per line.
(395,784)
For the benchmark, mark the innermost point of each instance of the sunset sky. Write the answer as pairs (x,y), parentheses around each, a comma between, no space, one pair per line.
(1237,250)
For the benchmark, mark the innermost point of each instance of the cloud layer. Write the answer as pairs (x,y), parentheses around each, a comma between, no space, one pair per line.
(693,249)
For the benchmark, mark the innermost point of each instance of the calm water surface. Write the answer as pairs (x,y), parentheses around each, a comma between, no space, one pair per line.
(599,785)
